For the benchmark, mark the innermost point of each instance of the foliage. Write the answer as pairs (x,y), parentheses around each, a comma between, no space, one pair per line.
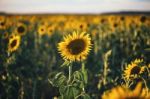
(35,70)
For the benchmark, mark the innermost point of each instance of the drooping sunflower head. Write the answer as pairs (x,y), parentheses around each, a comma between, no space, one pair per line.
(75,47)
(13,43)
(122,92)
(134,69)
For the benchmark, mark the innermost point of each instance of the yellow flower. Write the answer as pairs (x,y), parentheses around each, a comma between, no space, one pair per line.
(50,30)
(143,19)
(42,30)
(75,47)
(21,29)
(134,69)
(82,26)
(137,61)
(2,23)
(121,92)
(14,42)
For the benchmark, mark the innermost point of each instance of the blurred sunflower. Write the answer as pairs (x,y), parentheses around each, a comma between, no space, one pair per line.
(5,35)
(21,29)
(122,18)
(134,69)
(75,47)
(42,30)
(50,30)
(121,92)
(82,26)
(143,19)
(2,23)
(14,42)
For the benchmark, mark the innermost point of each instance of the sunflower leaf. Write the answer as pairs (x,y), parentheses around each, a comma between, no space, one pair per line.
(59,79)
(69,92)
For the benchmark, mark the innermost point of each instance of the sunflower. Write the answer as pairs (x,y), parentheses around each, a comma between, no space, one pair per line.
(122,18)
(134,69)
(75,47)
(42,30)
(121,92)
(5,35)
(143,19)
(14,42)
(21,29)
(2,23)
(82,26)
(50,30)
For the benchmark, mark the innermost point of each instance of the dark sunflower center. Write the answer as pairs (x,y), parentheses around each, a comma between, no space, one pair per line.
(115,24)
(81,26)
(5,35)
(143,19)
(50,30)
(2,23)
(103,21)
(21,29)
(122,18)
(76,46)
(135,70)
(13,44)
(42,29)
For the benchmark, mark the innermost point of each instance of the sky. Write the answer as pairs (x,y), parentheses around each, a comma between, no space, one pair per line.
(72,6)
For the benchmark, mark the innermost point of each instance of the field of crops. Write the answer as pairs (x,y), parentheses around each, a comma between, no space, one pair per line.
(75,56)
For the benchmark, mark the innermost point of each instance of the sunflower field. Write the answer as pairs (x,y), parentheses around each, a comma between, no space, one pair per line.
(103,56)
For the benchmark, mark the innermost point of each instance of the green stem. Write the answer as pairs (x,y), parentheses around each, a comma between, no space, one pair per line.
(83,67)
(84,75)
(145,83)
(148,71)
(70,72)
(105,71)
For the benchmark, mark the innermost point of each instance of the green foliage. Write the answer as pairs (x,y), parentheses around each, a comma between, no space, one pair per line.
(36,70)
(74,86)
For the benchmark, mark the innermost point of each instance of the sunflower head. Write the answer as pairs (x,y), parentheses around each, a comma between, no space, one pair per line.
(75,46)
(122,92)
(122,18)
(134,69)
(5,35)
(13,43)
(50,30)
(42,30)
(143,19)
(21,29)
(2,22)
